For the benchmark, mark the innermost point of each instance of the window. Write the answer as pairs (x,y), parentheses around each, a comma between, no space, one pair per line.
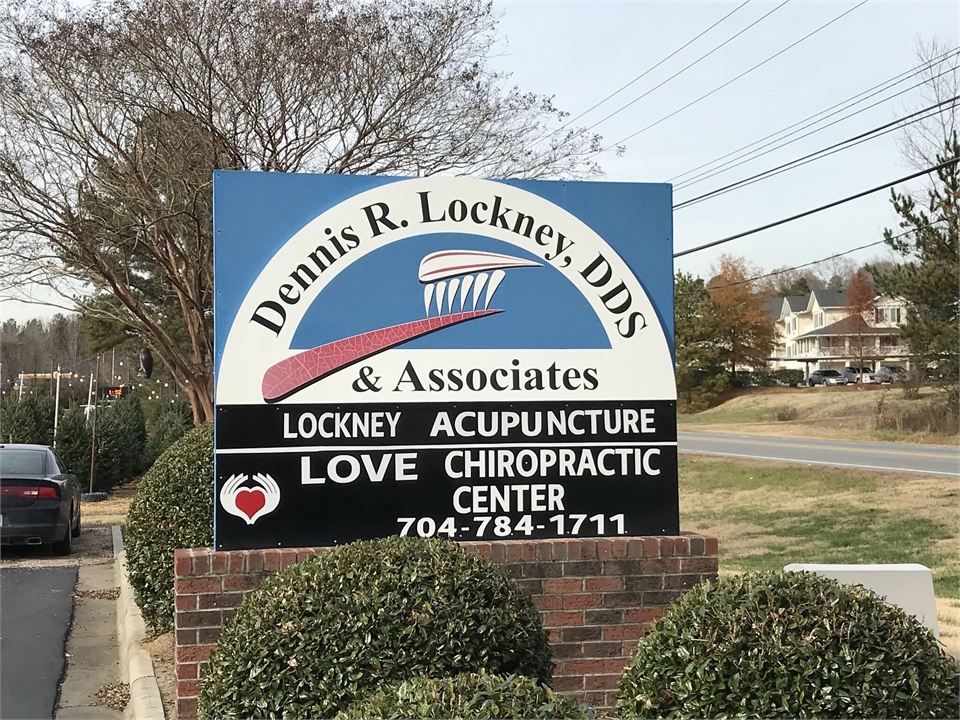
(818,320)
(887,315)
(793,325)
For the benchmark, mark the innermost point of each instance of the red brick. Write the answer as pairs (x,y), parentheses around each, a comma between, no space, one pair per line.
(581,602)
(588,549)
(188,688)
(201,565)
(595,698)
(185,602)
(651,547)
(193,653)
(610,648)
(679,582)
(581,634)
(255,561)
(615,665)
(535,551)
(601,682)
(186,708)
(186,637)
(288,557)
(181,562)
(630,647)
(681,546)
(187,671)
(271,560)
(498,552)
(208,636)
(710,546)
(620,548)
(549,602)
(563,585)
(567,683)
(553,635)
(655,598)
(197,585)
(222,600)
(574,550)
(513,551)
(699,565)
(558,619)
(242,582)
(218,563)
(198,619)
(603,584)
(606,616)
(643,615)
(663,565)
(635,547)
(666,547)
(624,632)
(622,599)
(697,545)
(583,667)
(567,651)
(482,549)
(558,550)
(604,548)
(237,561)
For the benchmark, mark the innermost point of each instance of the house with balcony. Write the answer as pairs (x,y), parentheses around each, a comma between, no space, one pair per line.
(817,332)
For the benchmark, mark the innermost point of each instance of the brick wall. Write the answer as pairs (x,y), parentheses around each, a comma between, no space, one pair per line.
(597,596)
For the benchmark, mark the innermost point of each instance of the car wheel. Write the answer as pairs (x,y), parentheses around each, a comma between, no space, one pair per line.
(65,546)
(75,532)
(810,383)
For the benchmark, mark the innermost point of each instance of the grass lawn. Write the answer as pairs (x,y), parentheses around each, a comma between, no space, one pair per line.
(766,516)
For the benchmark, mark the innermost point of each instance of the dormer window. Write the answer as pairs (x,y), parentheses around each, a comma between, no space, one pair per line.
(818,320)
(888,315)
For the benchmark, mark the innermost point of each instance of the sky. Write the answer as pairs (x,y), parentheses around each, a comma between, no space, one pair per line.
(581,52)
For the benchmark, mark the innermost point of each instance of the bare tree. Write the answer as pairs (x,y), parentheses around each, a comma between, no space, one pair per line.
(860,302)
(113,117)
(922,141)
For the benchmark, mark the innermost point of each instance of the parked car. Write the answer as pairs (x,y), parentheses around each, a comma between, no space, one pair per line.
(39,498)
(852,374)
(890,374)
(826,377)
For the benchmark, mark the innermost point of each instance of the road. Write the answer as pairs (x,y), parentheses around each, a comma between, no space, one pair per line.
(37,608)
(933,460)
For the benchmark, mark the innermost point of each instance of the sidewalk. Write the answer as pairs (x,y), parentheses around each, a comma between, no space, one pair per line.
(103,647)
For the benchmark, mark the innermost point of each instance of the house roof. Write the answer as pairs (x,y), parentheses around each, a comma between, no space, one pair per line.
(797,303)
(773,307)
(828,298)
(854,325)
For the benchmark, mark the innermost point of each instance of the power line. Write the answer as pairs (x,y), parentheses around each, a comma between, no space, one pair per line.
(695,62)
(733,80)
(859,195)
(820,154)
(645,73)
(811,120)
(831,257)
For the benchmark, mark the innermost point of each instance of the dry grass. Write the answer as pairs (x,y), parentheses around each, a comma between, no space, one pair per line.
(112,511)
(160,648)
(847,412)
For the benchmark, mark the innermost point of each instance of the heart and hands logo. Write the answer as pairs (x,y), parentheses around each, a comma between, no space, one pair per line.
(250,503)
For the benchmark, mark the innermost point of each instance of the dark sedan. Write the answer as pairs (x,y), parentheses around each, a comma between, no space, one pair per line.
(39,499)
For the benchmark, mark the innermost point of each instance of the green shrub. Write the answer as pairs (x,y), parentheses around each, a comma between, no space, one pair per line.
(793,645)
(173,508)
(468,696)
(28,420)
(787,376)
(171,422)
(336,626)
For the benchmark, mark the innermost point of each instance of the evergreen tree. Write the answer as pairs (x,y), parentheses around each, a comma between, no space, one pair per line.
(699,343)
(929,278)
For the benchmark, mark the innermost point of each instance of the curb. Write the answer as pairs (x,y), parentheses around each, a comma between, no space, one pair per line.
(136,666)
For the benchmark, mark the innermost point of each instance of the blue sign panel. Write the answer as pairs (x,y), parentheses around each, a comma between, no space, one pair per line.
(465,358)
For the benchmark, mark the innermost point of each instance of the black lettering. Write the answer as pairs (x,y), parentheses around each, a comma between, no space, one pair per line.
(590,379)
(458,211)
(376,222)
(498,217)
(570,376)
(493,379)
(631,321)
(544,231)
(267,323)
(521,218)
(289,294)
(622,307)
(350,238)
(436,380)
(409,375)
(552,372)
(561,247)
(327,255)
(425,209)
(475,215)
(455,379)
(534,379)
(605,274)
(296,275)
(476,379)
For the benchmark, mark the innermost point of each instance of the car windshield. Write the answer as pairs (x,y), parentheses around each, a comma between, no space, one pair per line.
(14,461)
(830,373)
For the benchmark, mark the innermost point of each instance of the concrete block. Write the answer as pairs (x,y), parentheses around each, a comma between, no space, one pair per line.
(908,586)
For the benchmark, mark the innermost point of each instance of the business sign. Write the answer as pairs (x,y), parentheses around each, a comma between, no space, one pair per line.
(451,357)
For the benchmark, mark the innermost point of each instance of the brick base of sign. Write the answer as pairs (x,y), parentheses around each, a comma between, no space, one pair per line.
(597,596)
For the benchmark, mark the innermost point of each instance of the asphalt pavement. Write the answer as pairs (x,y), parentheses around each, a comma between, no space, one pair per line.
(936,460)
(36,606)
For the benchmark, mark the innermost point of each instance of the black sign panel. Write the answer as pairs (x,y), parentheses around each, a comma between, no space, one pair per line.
(466,471)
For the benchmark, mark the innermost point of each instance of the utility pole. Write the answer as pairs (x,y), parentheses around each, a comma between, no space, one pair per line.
(93,435)
(56,410)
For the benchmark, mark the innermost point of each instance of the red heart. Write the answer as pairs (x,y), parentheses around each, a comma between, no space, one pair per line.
(249,502)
